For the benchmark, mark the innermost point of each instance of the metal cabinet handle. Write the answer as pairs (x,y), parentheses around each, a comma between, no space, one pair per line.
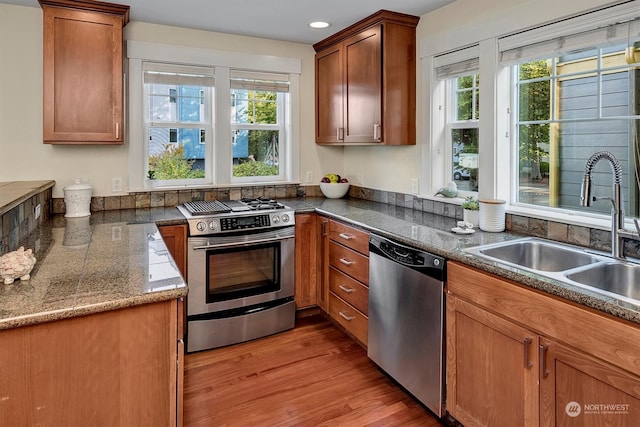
(376,132)
(527,361)
(344,316)
(117,130)
(346,236)
(340,133)
(346,289)
(324,229)
(346,261)
(544,372)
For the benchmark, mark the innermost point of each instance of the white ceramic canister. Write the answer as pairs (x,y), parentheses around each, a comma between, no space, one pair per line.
(492,215)
(77,199)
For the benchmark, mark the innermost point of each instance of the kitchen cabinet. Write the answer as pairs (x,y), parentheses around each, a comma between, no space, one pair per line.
(517,356)
(322,262)
(366,82)
(175,238)
(305,254)
(120,367)
(83,74)
(348,275)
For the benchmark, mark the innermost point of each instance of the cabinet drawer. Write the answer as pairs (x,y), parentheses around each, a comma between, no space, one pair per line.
(350,262)
(349,236)
(349,318)
(350,290)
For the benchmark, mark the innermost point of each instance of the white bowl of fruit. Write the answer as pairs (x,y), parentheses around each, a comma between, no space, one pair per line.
(333,186)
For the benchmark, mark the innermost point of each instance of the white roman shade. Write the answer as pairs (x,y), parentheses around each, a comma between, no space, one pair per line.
(457,63)
(271,82)
(178,74)
(608,27)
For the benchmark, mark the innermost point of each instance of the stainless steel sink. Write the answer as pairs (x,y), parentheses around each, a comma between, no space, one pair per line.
(568,264)
(614,277)
(539,255)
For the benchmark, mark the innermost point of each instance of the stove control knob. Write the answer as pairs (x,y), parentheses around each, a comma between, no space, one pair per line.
(201,226)
(213,226)
(285,218)
(275,219)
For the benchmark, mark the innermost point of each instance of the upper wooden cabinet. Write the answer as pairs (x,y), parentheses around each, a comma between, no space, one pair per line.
(83,75)
(366,82)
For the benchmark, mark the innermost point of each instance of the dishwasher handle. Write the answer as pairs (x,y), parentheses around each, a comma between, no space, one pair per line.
(416,259)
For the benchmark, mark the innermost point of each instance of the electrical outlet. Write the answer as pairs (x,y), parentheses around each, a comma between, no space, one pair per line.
(116,233)
(116,185)
(414,186)
(37,211)
(414,232)
(309,177)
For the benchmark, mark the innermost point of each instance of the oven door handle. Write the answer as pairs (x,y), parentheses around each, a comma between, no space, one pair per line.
(236,244)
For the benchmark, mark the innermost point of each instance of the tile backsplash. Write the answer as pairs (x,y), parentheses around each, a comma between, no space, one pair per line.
(17,224)
(557,231)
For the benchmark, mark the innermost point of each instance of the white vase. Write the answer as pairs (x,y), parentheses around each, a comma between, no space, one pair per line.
(471,216)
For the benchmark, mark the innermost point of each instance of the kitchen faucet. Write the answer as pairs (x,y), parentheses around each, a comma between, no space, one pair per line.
(618,232)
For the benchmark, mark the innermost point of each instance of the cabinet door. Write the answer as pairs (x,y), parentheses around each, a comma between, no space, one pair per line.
(577,390)
(329,96)
(305,288)
(363,87)
(82,77)
(322,263)
(175,238)
(491,368)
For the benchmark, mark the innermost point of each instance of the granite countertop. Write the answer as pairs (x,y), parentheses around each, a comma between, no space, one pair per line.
(102,262)
(13,193)
(126,262)
(432,233)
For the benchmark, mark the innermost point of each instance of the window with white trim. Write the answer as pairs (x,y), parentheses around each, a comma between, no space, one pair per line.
(258,117)
(177,122)
(575,95)
(458,71)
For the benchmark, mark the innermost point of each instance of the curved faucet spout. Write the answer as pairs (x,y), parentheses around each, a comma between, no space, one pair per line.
(617,214)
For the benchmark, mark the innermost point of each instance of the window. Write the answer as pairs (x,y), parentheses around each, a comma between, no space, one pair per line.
(178,118)
(258,106)
(458,72)
(188,106)
(570,104)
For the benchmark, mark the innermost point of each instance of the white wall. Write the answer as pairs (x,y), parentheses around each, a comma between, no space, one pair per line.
(23,156)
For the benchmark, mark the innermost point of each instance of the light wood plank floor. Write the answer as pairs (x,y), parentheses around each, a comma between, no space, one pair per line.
(313,375)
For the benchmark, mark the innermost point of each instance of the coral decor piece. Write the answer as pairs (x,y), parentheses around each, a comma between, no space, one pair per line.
(16,265)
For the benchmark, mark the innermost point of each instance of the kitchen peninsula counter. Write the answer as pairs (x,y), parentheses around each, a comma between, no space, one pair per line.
(107,261)
(12,193)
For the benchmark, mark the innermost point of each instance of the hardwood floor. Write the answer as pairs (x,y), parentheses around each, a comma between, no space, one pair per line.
(313,375)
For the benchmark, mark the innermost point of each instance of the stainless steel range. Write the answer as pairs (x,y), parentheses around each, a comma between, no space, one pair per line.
(240,267)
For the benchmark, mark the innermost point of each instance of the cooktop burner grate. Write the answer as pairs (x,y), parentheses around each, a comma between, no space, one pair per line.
(206,208)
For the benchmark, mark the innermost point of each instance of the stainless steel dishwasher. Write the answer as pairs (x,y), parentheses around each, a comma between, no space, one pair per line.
(406,320)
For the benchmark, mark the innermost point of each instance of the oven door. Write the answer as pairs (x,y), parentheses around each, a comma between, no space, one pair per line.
(234,271)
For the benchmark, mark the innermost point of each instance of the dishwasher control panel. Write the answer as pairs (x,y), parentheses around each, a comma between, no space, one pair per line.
(430,264)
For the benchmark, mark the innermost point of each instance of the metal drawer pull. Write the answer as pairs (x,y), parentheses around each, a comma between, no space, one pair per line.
(346,236)
(376,132)
(344,316)
(340,134)
(544,372)
(346,261)
(344,288)
(527,361)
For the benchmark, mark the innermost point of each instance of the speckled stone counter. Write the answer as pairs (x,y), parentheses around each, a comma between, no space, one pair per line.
(106,261)
(433,233)
(15,192)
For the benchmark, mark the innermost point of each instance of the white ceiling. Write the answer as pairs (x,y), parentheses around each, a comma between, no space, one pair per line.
(272,19)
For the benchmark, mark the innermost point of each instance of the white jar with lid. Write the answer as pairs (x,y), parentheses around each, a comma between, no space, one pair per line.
(77,199)
(492,215)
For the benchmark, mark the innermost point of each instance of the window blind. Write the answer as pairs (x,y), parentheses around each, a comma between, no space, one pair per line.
(250,80)
(614,26)
(457,63)
(178,74)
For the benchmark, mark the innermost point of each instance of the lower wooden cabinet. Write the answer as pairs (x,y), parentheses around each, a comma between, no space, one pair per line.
(322,262)
(519,357)
(175,238)
(117,368)
(305,253)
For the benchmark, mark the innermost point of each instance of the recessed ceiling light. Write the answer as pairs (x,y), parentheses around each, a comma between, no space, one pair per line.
(319,24)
